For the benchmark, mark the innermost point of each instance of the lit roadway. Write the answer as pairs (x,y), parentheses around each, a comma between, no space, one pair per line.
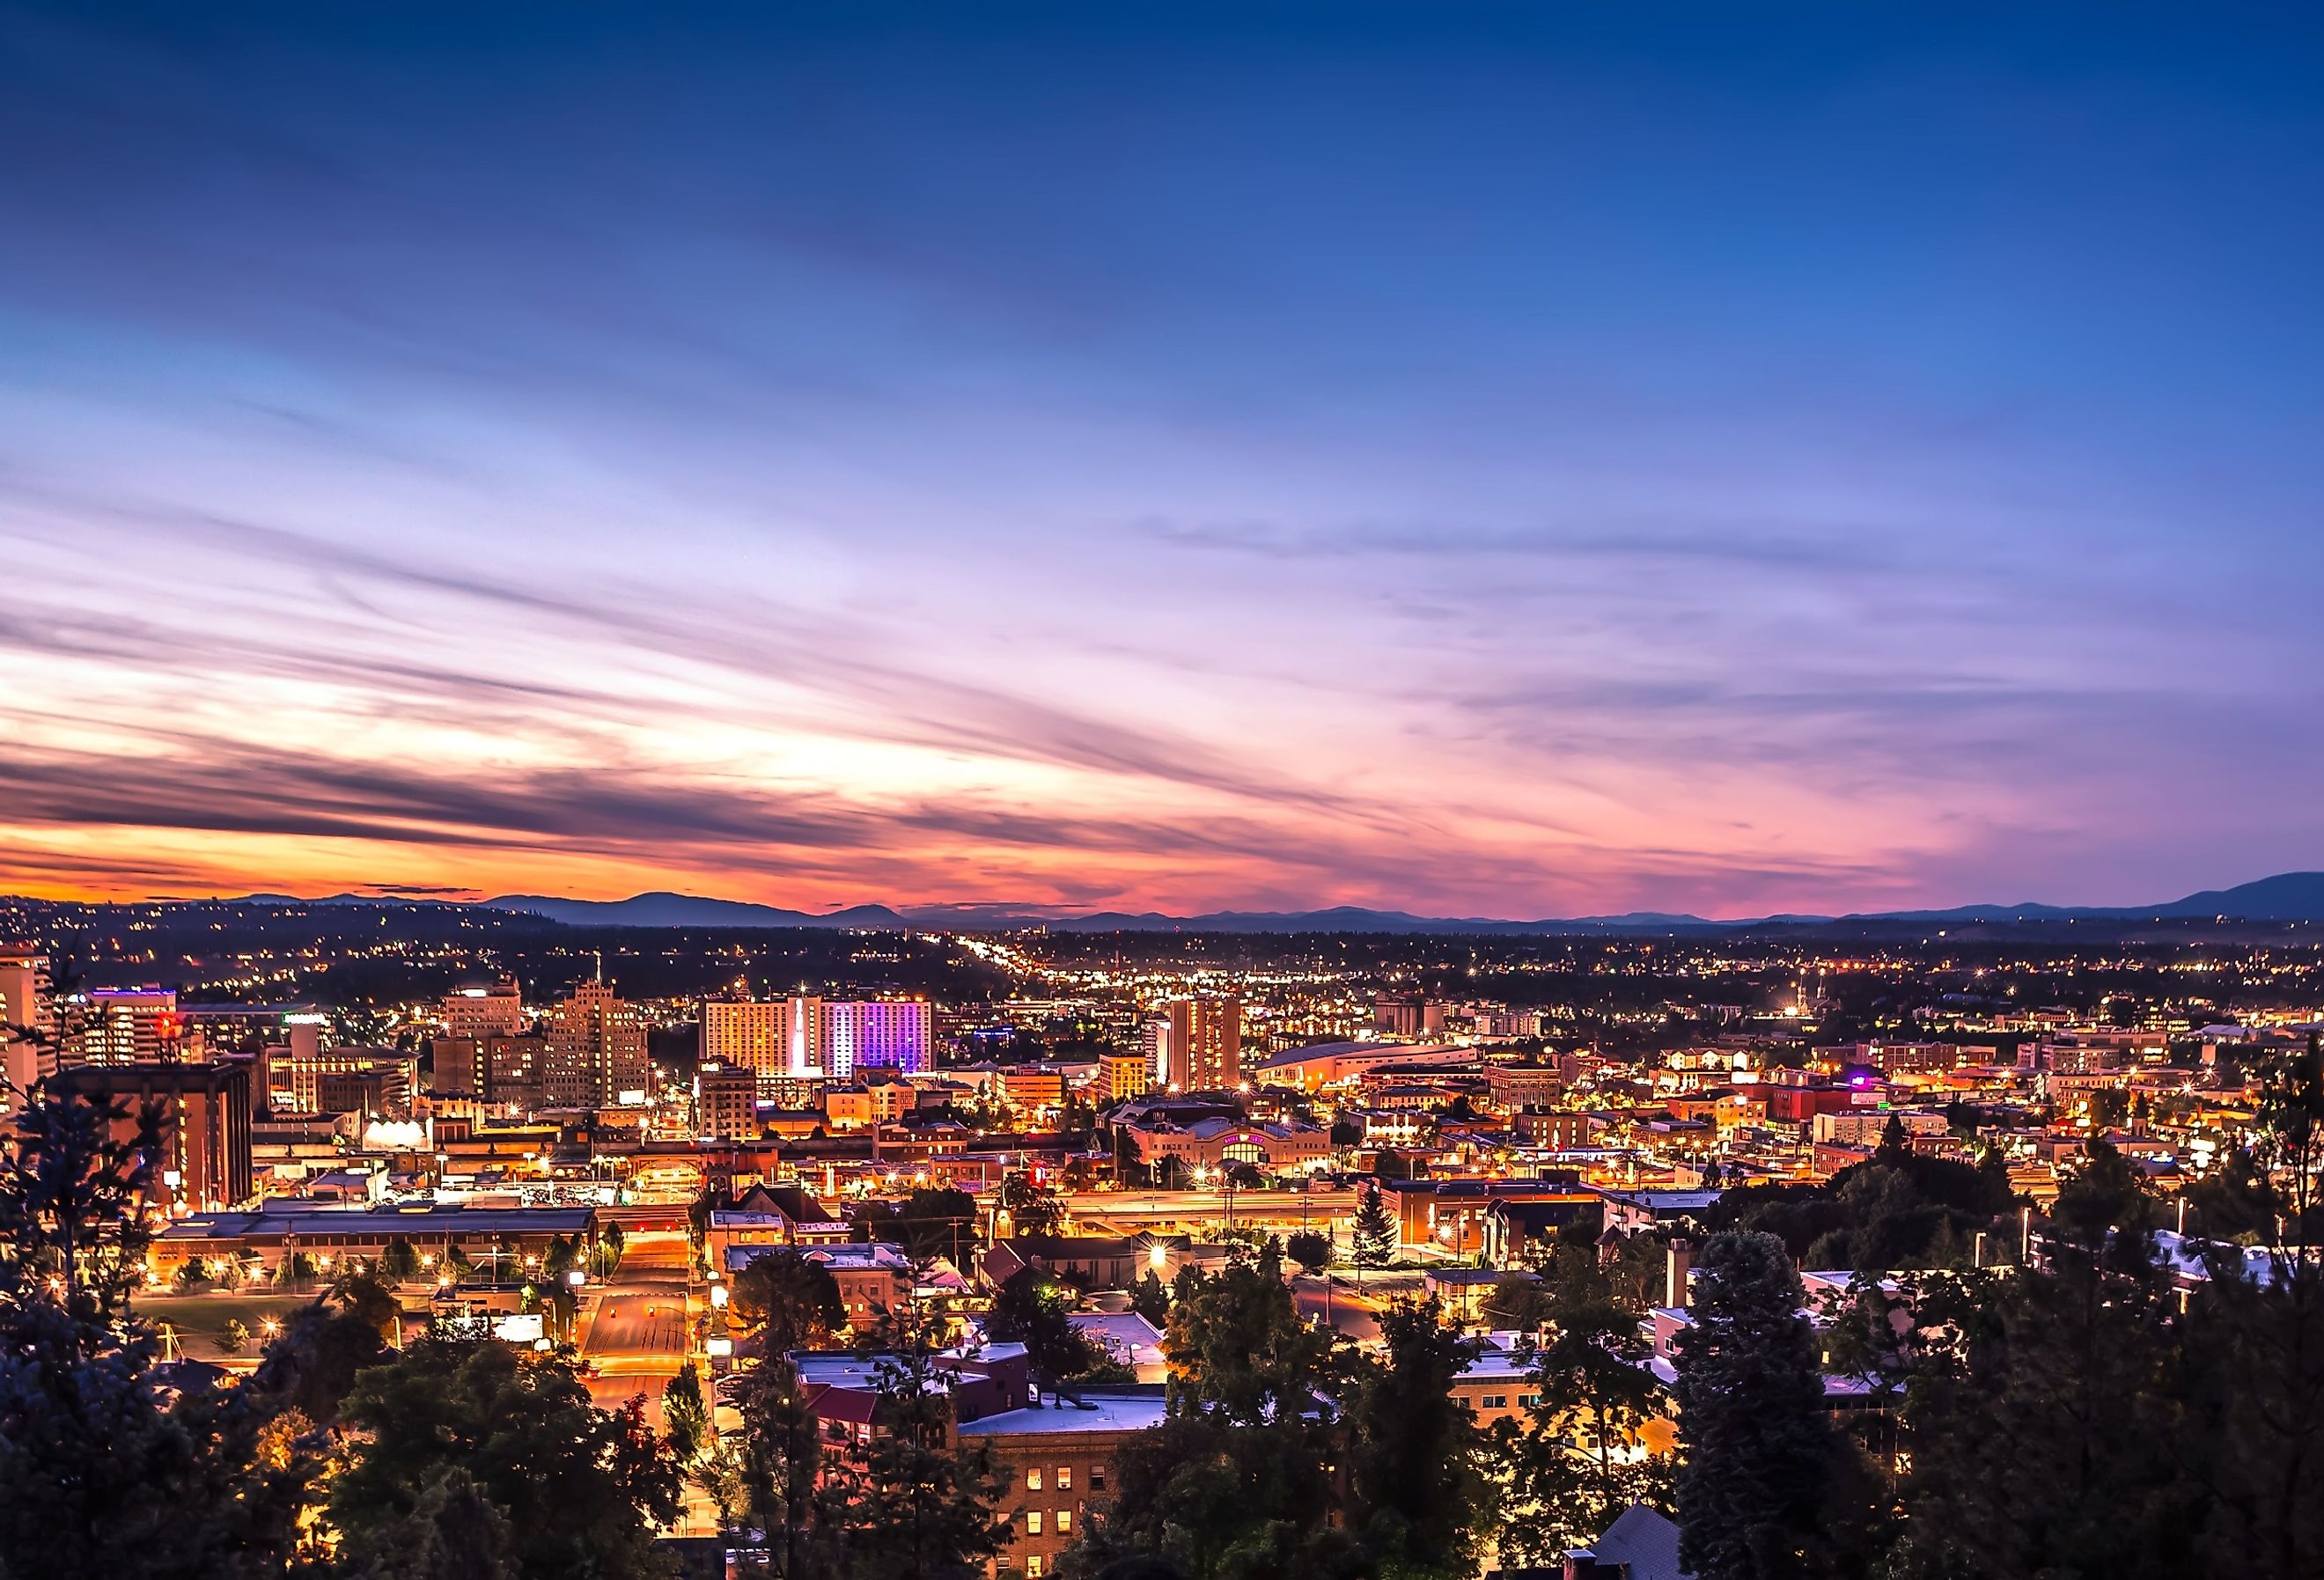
(634,1338)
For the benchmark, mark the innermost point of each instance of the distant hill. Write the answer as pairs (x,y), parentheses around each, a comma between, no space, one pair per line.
(2286,897)
(667,910)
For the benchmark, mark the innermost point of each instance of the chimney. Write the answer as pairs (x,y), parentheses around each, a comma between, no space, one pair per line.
(1680,1263)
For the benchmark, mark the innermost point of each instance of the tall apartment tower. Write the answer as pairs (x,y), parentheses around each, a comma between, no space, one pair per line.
(1205,1051)
(1154,1042)
(804,1030)
(205,1161)
(596,1050)
(807,1036)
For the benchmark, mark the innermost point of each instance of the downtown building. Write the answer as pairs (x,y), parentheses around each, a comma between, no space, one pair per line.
(203,1112)
(810,1036)
(1196,1045)
(594,1052)
(24,1057)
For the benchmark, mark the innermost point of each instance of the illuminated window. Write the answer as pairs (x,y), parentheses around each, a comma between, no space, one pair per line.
(1065,1520)
(1032,1522)
(1033,1566)
(1033,1479)
(1064,1478)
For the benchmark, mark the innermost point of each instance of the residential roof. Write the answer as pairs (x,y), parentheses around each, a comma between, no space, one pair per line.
(1645,1542)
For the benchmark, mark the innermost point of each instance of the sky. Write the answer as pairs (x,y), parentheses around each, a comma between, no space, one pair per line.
(1494,460)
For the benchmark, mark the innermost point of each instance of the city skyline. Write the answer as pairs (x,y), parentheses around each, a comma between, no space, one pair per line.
(1465,463)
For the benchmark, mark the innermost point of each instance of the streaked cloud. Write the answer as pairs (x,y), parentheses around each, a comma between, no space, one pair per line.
(1134,462)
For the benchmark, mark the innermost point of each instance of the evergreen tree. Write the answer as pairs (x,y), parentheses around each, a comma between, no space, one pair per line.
(686,1415)
(581,1488)
(2044,1419)
(912,1505)
(1033,1310)
(1150,1299)
(790,1297)
(1573,1465)
(105,1468)
(777,1469)
(454,1532)
(1311,1249)
(2255,1340)
(1756,1451)
(73,1175)
(1033,1209)
(1238,1480)
(1372,1237)
(1416,1459)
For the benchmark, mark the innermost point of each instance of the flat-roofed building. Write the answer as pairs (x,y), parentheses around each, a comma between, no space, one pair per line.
(596,1052)
(1206,1048)
(1057,1461)
(131,1025)
(478,1013)
(205,1115)
(485,1236)
(726,1102)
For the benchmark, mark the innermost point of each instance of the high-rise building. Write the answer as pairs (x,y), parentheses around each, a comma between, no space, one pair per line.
(596,1050)
(804,1033)
(752,1034)
(893,1034)
(1154,1045)
(24,1057)
(132,1025)
(340,1080)
(1125,1075)
(807,1035)
(204,1109)
(24,987)
(1205,1045)
(478,1013)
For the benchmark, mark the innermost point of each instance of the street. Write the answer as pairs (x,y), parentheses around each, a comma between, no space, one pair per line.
(634,1332)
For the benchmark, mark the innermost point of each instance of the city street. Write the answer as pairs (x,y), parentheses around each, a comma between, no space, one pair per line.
(634,1331)
(1353,1315)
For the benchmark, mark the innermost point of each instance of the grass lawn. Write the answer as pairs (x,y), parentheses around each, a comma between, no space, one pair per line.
(198,1319)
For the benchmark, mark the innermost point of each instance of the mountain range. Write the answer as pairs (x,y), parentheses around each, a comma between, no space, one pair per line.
(2286,897)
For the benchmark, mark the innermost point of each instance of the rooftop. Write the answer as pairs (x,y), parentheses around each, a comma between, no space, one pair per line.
(1095,1412)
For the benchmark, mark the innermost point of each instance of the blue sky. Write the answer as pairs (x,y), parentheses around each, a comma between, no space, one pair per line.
(1508,460)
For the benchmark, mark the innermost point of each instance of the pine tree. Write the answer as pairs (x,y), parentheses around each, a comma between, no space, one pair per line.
(777,1469)
(1372,1237)
(1151,1299)
(1756,1451)
(914,1506)
(685,1414)
(1570,1469)
(1416,1459)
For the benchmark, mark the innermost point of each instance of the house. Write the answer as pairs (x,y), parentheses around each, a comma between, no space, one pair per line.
(1087,1264)
(1642,1544)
